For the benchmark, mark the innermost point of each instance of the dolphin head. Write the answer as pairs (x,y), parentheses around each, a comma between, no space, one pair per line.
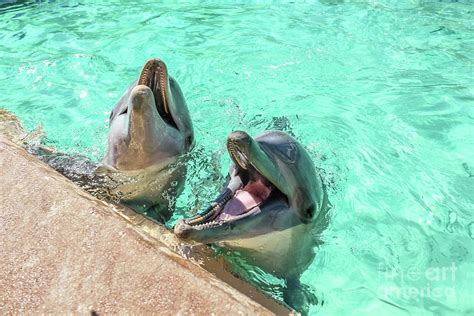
(272,186)
(150,125)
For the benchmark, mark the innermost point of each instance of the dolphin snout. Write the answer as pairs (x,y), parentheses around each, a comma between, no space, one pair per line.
(141,97)
(238,145)
(240,138)
(181,229)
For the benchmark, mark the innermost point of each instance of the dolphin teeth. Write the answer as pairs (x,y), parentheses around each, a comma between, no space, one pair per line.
(236,155)
(211,212)
(206,225)
(145,74)
(163,77)
(158,68)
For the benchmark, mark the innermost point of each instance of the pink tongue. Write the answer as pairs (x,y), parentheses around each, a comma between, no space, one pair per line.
(246,199)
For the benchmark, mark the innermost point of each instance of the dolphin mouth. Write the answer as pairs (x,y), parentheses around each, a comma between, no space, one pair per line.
(246,194)
(155,76)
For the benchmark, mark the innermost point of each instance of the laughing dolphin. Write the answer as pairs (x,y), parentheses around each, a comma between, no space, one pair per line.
(268,209)
(150,129)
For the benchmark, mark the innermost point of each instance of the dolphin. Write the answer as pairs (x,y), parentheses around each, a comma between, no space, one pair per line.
(268,208)
(150,129)
(150,132)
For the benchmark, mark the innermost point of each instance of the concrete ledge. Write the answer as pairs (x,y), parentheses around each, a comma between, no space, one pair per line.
(62,250)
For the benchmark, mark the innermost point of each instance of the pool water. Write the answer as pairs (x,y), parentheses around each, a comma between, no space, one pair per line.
(380,92)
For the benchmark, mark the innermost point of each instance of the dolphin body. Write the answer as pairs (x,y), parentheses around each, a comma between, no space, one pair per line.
(268,209)
(150,130)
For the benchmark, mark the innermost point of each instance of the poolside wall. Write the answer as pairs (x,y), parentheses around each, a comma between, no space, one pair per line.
(63,250)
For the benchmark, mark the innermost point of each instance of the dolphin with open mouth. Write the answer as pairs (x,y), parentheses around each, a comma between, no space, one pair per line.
(268,207)
(150,129)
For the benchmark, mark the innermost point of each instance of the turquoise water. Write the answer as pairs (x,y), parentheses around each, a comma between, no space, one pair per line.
(380,92)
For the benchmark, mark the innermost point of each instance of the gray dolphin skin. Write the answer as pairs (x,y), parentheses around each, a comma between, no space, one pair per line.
(269,206)
(150,129)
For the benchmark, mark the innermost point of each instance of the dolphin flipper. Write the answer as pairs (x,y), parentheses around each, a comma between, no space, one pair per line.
(299,296)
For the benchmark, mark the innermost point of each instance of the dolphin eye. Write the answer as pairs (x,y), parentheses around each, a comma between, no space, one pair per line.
(288,152)
(309,212)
